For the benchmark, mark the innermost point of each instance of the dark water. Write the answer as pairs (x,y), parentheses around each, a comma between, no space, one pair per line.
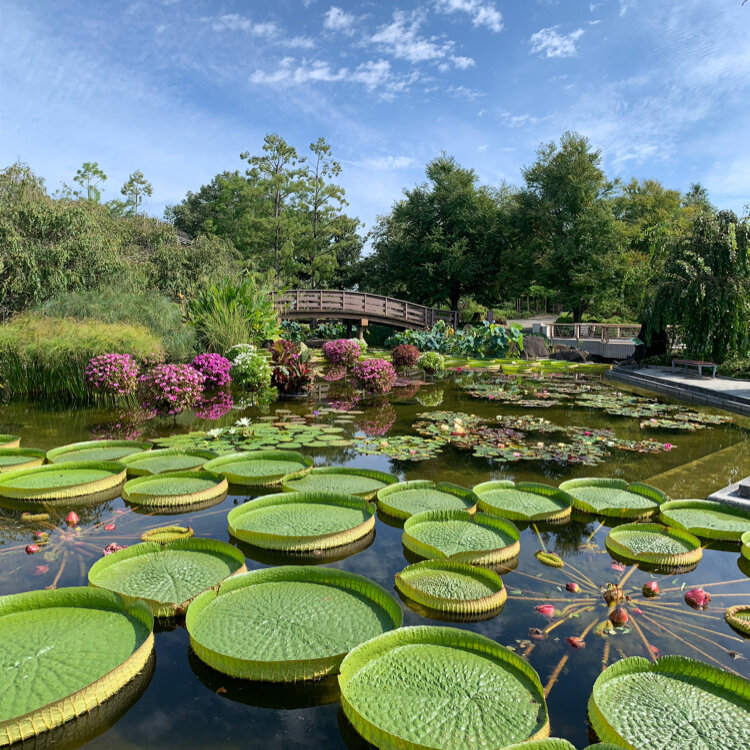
(186,704)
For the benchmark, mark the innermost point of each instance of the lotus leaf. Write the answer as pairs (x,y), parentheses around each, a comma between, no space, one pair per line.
(167,534)
(409,498)
(167,577)
(96,450)
(64,652)
(364,483)
(458,535)
(288,623)
(676,702)
(614,497)
(166,460)
(654,544)
(455,690)
(9,441)
(451,587)
(706,518)
(58,483)
(526,501)
(261,468)
(13,459)
(174,490)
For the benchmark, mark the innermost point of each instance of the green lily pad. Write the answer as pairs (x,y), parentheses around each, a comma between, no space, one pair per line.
(418,496)
(167,577)
(261,467)
(458,535)
(302,521)
(63,652)
(614,497)
(654,544)
(166,460)
(54,482)
(455,690)
(364,483)
(738,618)
(745,539)
(13,459)
(167,534)
(175,490)
(550,559)
(451,587)
(9,441)
(706,518)
(525,501)
(96,450)
(288,623)
(674,703)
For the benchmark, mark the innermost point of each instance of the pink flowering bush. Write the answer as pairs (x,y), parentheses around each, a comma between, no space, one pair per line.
(214,368)
(404,355)
(342,352)
(374,375)
(111,374)
(168,389)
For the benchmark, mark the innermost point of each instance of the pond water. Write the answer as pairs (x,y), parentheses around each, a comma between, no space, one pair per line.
(183,703)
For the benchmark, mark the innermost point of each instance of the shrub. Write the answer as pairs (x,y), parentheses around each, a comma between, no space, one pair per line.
(44,357)
(214,368)
(111,375)
(169,389)
(250,368)
(341,352)
(404,355)
(735,368)
(374,375)
(329,330)
(362,344)
(432,363)
(290,374)
(487,340)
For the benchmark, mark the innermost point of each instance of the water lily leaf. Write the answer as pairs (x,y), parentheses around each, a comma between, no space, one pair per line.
(9,441)
(13,459)
(166,460)
(175,490)
(401,447)
(167,534)
(614,497)
(654,544)
(261,468)
(706,518)
(738,617)
(745,549)
(549,558)
(364,483)
(525,501)
(96,450)
(409,498)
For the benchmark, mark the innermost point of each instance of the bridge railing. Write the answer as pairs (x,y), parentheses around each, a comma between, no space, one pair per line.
(598,331)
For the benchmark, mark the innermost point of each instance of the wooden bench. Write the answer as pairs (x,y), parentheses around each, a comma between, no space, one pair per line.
(695,363)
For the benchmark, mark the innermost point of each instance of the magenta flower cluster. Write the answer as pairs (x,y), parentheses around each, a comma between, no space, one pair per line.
(214,368)
(168,389)
(404,355)
(374,375)
(341,352)
(111,374)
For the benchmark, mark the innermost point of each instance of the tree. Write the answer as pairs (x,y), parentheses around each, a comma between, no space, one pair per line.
(134,189)
(89,177)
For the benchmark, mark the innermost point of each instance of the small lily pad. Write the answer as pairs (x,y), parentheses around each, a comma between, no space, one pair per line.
(738,618)
(166,460)
(167,534)
(13,459)
(9,441)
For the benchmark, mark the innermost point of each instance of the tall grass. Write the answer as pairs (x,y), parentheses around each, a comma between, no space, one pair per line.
(44,357)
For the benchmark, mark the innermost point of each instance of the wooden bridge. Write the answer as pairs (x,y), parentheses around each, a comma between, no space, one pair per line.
(359,308)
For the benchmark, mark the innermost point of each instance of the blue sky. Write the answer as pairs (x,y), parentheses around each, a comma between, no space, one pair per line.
(178,88)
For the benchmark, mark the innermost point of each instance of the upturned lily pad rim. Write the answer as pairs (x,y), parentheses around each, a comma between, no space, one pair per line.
(467,496)
(65,708)
(475,557)
(304,669)
(704,505)
(158,607)
(739,624)
(62,450)
(745,539)
(173,532)
(66,493)
(134,471)
(36,458)
(621,550)
(381,476)
(9,441)
(639,488)
(302,542)
(360,656)
(136,491)
(453,606)
(681,667)
(306,464)
(562,498)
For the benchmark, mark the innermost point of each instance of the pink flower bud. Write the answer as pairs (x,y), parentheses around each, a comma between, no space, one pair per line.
(618,616)
(72,518)
(576,642)
(650,588)
(109,527)
(547,610)
(698,598)
(574,587)
(31,549)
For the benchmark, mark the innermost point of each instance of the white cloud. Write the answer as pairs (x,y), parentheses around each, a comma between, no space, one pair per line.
(236,22)
(387,163)
(550,43)
(625,5)
(464,91)
(298,42)
(305,72)
(336,19)
(402,40)
(482,13)
(462,62)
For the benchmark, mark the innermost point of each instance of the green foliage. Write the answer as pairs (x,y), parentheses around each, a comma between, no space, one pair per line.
(736,367)
(134,190)
(251,370)
(488,340)
(432,363)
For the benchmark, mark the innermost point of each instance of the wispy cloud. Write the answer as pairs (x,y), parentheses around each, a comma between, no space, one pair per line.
(387,163)
(551,43)
(482,13)
(298,42)
(401,39)
(336,19)
(463,62)
(236,22)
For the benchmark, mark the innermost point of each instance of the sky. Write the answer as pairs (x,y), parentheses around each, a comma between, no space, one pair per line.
(179,88)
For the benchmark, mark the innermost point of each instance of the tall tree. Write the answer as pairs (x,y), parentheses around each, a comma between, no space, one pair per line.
(90,177)
(134,189)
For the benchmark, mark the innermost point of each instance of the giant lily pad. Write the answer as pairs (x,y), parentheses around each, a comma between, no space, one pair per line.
(417,496)
(653,544)
(165,461)
(451,587)
(364,483)
(738,617)
(14,459)
(302,521)
(167,577)
(57,483)
(455,690)
(706,518)
(525,501)
(261,467)
(174,490)
(288,623)
(9,441)
(63,652)
(96,450)
(614,497)
(674,703)
(745,539)
(458,535)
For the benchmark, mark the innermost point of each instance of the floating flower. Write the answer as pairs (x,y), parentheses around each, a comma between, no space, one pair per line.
(112,548)
(572,586)
(618,617)
(698,598)
(72,518)
(576,642)
(650,589)
(32,549)
(547,610)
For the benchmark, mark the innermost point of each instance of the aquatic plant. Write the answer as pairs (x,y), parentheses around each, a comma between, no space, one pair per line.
(404,355)
(406,499)
(364,483)
(653,544)
(525,501)
(214,368)
(112,375)
(175,490)
(261,468)
(169,389)
(374,375)
(706,518)
(96,450)
(166,460)
(614,497)
(20,458)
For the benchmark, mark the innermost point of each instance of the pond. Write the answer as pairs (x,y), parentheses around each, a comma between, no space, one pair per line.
(180,702)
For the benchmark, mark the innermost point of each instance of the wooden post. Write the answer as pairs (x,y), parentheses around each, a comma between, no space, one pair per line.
(361,328)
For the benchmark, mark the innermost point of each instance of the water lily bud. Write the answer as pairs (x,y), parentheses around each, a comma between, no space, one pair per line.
(547,610)
(650,588)
(698,598)
(574,587)
(618,616)
(576,642)
(40,535)
(31,549)
(72,518)
(109,527)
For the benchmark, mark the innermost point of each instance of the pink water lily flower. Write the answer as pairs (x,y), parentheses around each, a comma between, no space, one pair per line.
(698,598)
(547,610)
